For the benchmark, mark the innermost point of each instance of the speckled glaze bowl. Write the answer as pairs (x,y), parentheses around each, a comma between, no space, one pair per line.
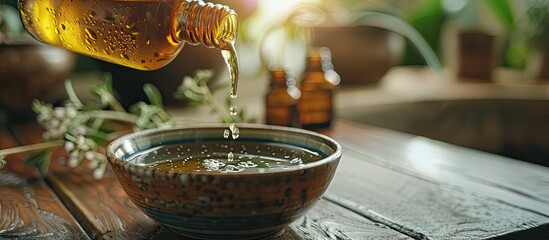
(225,205)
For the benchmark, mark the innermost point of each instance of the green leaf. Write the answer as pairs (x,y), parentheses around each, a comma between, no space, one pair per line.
(107,80)
(503,12)
(428,18)
(153,94)
(220,86)
(136,108)
(2,161)
(72,94)
(40,160)
(97,136)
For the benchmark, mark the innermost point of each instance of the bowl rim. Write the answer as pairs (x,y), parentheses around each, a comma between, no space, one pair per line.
(118,142)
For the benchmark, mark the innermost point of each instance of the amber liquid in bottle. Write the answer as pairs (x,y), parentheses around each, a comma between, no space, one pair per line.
(316,103)
(141,34)
(281,100)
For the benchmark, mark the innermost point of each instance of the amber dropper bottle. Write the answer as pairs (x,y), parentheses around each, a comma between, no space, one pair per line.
(315,106)
(144,34)
(281,99)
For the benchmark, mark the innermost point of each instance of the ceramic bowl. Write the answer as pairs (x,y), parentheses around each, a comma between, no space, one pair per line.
(225,205)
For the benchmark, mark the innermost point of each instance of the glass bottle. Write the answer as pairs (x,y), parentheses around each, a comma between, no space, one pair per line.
(317,85)
(143,34)
(281,100)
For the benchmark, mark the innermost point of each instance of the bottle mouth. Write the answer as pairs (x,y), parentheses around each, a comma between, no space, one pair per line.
(214,25)
(227,31)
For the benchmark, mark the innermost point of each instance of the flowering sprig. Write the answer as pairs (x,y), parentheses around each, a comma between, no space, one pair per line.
(196,91)
(83,128)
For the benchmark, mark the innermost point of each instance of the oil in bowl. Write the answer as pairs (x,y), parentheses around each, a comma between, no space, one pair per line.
(224,156)
(201,185)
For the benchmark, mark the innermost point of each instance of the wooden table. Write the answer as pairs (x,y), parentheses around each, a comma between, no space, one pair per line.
(389,185)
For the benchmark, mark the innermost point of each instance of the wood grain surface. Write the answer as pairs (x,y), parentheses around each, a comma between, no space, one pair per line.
(29,209)
(105,212)
(440,190)
(389,185)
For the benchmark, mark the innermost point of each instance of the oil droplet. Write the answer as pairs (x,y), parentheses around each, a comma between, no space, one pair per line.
(130,25)
(90,33)
(226,133)
(230,156)
(63,26)
(124,55)
(235,131)
(233,110)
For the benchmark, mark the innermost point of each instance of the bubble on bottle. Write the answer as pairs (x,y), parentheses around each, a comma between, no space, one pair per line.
(130,25)
(125,56)
(90,33)
(230,156)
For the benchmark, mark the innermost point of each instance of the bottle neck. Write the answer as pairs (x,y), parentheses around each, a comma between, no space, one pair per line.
(280,78)
(214,25)
(314,64)
(319,59)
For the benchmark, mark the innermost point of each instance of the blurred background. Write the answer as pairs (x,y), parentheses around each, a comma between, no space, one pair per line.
(483,86)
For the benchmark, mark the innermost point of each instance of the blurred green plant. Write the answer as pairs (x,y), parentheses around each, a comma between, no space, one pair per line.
(430,17)
(532,33)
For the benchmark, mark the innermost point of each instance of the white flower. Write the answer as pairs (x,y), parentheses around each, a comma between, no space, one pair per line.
(80,140)
(98,173)
(73,161)
(90,155)
(59,112)
(188,82)
(69,146)
(71,112)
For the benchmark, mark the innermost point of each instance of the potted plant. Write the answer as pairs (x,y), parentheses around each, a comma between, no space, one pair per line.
(476,43)
(530,43)
(364,37)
